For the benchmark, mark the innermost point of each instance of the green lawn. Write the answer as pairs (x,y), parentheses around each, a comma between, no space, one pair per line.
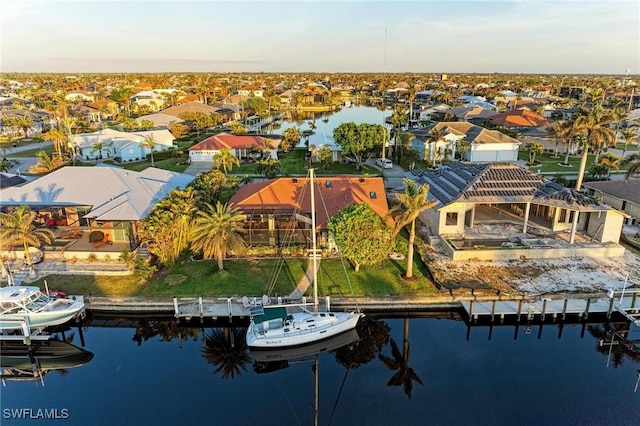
(551,164)
(252,277)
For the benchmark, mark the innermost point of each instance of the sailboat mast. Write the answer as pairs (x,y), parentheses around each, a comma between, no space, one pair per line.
(314,243)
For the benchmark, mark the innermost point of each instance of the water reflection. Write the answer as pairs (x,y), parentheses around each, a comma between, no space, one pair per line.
(20,362)
(226,348)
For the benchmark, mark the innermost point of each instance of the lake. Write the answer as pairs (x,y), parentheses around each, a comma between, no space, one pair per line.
(160,374)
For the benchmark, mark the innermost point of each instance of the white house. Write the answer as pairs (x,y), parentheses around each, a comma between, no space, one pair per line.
(241,147)
(126,146)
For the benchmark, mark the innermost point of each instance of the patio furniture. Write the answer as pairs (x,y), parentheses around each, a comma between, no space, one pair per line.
(105,240)
(96,236)
(75,234)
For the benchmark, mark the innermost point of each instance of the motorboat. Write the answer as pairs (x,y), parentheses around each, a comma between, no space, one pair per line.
(26,307)
(31,362)
(276,327)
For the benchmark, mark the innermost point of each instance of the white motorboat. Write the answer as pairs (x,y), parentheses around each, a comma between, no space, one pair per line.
(274,326)
(28,307)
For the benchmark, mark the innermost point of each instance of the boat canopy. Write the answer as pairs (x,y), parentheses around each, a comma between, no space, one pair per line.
(270,314)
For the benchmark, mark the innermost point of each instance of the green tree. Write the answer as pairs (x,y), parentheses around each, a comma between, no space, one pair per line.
(148,142)
(18,227)
(225,159)
(268,167)
(534,149)
(359,142)
(413,201)
(47,164)
(398,120)
(630,136)
(99,147)
(146,124)
(291,138)
(59,139)
(634,169)
(594,124)
(178,129)
(435,136)
(24,123)
(325,156)
(611,162)
(217,232)
(404,142)
(361,235)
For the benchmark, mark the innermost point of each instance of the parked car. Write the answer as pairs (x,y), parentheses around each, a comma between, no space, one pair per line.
(385,164)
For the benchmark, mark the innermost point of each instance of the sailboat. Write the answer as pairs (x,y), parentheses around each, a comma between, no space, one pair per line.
(275,326)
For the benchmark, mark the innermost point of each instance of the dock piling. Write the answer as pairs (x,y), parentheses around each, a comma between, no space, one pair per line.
(586,309)
(175,307)
(610,308)
(564,309)
(544,309)
(519,310)
(201,309)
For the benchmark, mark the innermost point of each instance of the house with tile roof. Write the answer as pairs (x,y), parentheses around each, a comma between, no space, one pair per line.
(278,211)
(243,147)
(519,118)
(76,201)
(472,195)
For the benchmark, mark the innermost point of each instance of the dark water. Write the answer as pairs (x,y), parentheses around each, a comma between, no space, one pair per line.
(537,379)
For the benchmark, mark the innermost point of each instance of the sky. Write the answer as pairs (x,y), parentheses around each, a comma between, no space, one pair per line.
(481,36)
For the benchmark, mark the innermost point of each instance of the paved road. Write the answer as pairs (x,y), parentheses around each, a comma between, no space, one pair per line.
(392,177)
(21,165)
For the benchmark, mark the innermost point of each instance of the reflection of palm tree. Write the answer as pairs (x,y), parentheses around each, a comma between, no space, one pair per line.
(404,375)
(374,335)
(227,349)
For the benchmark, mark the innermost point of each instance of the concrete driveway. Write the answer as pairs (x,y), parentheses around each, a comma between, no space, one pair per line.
(199,167)
(392,177)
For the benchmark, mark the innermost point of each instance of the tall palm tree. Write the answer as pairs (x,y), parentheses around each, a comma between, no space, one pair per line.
(405,139)
(630,136)
(59,139)
(435,136)
(413,201)
(398,119)
(594,124)
(18,228)
(216,232)
(404,375)
(148,142)
(225,159)
(99,147)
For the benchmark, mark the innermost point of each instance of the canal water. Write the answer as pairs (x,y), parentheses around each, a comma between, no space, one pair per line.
(447,374)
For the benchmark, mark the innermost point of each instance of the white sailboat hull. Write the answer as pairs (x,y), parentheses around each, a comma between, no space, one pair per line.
(301,328)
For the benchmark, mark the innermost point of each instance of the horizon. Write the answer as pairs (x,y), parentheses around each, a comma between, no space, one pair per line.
(430,37)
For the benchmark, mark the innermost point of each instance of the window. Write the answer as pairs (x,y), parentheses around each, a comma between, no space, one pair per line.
(452,218)
(373,195)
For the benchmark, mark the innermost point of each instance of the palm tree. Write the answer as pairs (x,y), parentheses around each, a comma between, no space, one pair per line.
(630,136)
(435,136)
(18,228)
(594,124)
(99,147)
(59,139)
(404,375)
(463,146)
(405,140)
(216,232)
(269,167)
(398,119)
(24,123)
(149,143)
(225,159)
(413,201)
(634,160)
(47,164)
(611,162)
(533,148)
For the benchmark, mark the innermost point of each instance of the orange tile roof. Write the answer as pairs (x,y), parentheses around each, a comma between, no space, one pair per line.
(519,118)
(225,140)
(294,194)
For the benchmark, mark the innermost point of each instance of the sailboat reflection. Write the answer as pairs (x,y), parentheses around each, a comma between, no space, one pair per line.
(21,362)
(271,360)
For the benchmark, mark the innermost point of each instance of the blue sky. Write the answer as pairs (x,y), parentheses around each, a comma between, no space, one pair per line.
(526,36)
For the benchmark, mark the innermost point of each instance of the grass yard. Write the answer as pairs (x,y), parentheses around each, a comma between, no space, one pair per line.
(252,277)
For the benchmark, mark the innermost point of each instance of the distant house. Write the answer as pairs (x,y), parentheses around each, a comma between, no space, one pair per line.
(251,91)
(152,99)
(278,211)
(8,179)
(41,120)
(160,120)
(127,146)
(470,195)
(621,195)
(241,146)
(519,118)
(484,145)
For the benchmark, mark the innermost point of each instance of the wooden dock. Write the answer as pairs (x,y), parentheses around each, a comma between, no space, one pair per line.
(626,303)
